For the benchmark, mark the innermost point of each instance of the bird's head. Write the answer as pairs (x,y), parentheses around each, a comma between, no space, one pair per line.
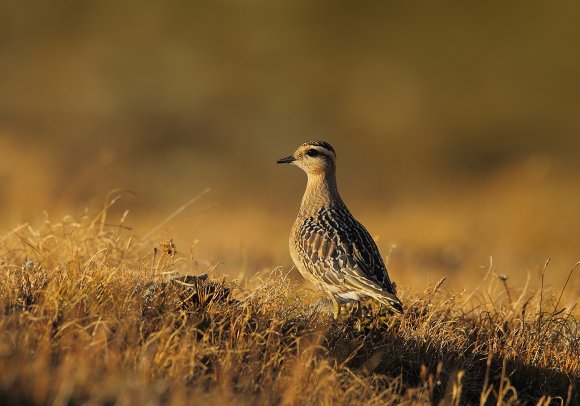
(314,158)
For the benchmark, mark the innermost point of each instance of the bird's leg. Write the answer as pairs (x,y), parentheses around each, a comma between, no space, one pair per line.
(358,309)
(336,307)
(356,315)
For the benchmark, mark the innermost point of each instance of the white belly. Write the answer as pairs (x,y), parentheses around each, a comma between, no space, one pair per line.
(348,297)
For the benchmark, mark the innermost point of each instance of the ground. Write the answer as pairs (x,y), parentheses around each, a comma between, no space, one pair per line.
(93,314)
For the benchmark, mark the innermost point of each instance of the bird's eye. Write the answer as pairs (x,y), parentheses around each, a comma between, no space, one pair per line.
(312,152)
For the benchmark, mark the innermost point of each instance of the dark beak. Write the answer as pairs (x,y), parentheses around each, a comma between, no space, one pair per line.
(287,160)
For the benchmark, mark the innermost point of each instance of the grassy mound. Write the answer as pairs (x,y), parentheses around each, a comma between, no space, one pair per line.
(92,314)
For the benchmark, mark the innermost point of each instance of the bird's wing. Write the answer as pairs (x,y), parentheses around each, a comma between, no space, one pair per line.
(342,253)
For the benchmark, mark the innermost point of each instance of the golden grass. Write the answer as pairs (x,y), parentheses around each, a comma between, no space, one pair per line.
(86,319)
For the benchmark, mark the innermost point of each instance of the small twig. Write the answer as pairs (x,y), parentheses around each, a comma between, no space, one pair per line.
(388,256)
(542,293)
(566,284)
(154,256)
(438,285)
(500,393)
(31,246)
(107,204)
(489,269)
(118,226)
(175,213)
(485,391)
(503,279)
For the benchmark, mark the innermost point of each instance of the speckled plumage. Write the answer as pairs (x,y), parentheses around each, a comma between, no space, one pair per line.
(327,244)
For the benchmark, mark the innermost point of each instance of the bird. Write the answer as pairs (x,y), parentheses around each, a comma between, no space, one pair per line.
(328,246)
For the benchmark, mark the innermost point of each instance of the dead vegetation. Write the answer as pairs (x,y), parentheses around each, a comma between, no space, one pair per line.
(91,315)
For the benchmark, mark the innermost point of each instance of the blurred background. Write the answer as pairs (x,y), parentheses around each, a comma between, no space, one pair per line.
(457,126)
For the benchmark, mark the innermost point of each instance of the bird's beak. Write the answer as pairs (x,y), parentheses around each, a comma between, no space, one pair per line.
(287,160)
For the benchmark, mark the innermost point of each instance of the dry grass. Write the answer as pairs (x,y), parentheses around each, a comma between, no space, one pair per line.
(85,319)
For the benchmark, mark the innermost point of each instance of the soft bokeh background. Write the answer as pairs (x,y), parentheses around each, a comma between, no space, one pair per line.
(457,126)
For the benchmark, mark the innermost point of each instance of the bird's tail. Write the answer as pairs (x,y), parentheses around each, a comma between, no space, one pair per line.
(373,290)
(391,301)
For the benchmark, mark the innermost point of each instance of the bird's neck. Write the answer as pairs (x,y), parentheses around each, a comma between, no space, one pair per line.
(321,191)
